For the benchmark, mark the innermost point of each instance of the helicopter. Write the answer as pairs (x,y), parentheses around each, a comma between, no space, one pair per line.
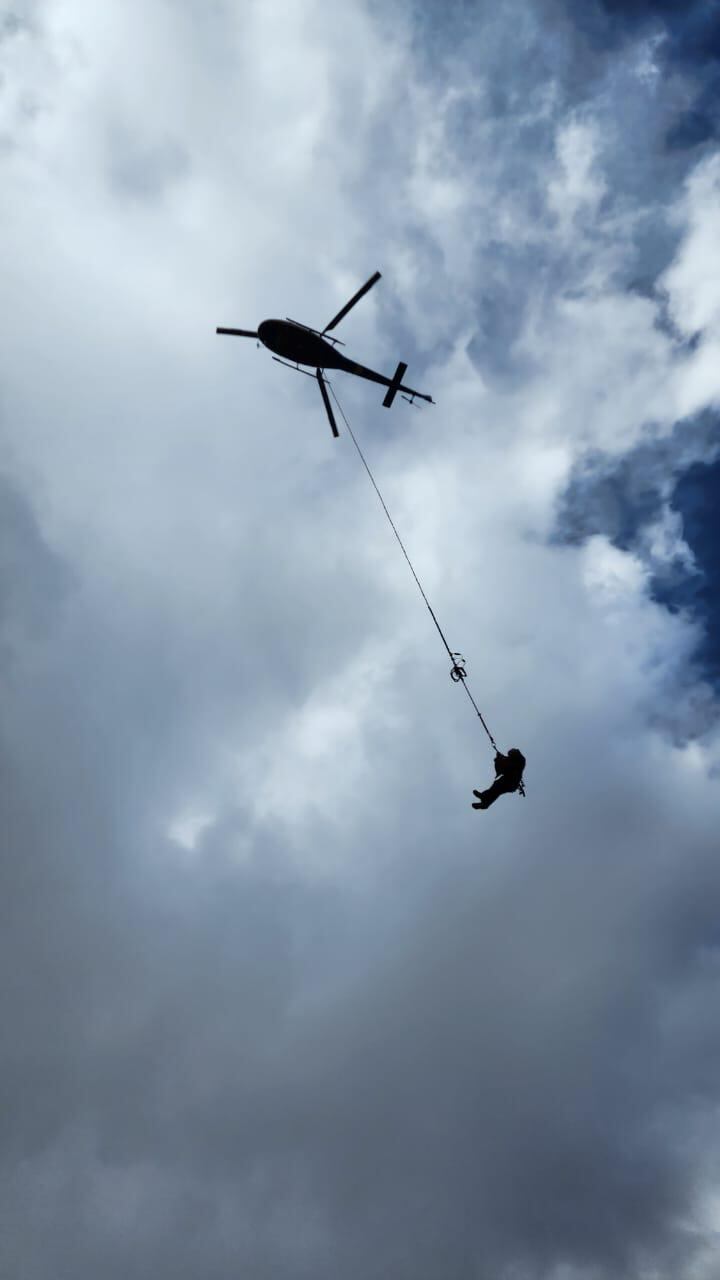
(295,344)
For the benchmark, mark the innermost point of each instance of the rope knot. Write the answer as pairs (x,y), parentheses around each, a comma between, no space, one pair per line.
(458,670)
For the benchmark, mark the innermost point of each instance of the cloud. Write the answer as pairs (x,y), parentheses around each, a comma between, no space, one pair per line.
(275,999)
(687,42)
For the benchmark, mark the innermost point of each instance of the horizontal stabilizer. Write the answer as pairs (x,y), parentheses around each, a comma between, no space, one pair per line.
(395,384)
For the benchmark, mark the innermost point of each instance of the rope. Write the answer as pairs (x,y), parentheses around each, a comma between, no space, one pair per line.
(458,671)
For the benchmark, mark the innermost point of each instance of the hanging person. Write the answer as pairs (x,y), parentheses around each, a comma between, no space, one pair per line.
(508,778)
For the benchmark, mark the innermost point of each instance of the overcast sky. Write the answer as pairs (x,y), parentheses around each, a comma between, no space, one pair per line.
(276,1002)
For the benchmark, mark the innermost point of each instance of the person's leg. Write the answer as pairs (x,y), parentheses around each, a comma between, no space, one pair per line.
(498,788)
(480,802)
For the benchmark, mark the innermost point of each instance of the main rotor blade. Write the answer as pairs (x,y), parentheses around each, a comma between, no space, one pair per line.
(239,333)
(326,402)
(355,298)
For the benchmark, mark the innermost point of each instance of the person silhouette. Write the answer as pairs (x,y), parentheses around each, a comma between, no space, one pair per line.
(508,778)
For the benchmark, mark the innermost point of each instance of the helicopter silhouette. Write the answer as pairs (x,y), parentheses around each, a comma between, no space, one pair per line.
(295,344)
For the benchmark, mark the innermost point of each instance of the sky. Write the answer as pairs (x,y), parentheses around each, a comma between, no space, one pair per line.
(276,1001)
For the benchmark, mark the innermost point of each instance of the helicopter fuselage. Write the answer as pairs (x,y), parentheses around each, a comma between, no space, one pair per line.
(293,342)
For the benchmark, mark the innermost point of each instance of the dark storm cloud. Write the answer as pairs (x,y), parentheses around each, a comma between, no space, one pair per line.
(699,124)
(104,953)
(217,1064)
(473,1112)
(619,497)
(590,59)
(589,53)
(696,499)
(689,29)
(47,823)
(623,498)
(464,1104)
(690,47)
(636,10)
(480,1095)
(571,43)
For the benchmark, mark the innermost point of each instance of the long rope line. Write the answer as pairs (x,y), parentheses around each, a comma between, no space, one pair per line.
(462,679)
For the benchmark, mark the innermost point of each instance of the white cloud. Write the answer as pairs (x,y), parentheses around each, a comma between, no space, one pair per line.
(692,288)
(579,187)
(692,280)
